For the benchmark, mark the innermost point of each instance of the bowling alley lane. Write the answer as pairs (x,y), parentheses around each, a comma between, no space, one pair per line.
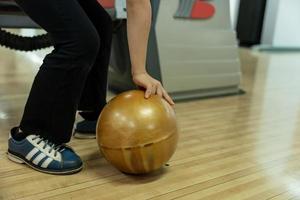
(233,147)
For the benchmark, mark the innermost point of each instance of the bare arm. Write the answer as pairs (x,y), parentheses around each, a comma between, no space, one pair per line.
(138,28)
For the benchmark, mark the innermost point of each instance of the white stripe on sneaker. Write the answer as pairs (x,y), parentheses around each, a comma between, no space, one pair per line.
(39,158)
(31,153)
(46,162)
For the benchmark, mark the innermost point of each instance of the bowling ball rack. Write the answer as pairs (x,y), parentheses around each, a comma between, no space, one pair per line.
(192,48)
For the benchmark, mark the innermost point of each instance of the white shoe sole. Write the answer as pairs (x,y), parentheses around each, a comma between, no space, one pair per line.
(19,160)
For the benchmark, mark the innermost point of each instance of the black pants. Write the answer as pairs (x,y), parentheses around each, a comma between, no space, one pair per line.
(74,75)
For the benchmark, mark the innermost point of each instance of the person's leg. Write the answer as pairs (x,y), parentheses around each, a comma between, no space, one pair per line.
(55,94)
(50,109)
(93,98)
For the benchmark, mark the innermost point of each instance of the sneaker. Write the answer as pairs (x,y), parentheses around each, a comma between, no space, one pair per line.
(85,129)
(44,156)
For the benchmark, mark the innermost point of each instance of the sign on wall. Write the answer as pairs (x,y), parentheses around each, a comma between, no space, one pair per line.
(195,9)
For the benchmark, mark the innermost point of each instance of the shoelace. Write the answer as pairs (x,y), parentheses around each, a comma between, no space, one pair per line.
(53,147)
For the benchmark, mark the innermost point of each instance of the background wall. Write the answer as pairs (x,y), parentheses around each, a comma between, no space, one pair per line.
(282,23)
(234,10)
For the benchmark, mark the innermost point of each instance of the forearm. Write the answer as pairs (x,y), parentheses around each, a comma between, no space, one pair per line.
(138,28)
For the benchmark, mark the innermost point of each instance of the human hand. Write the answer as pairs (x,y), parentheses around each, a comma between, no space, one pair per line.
(152,86)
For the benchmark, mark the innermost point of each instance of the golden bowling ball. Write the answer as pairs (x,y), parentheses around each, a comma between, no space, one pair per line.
(135,134)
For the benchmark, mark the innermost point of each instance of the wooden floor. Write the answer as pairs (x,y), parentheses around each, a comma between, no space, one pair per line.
(238,147)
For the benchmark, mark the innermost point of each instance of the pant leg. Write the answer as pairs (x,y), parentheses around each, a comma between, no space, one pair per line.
(55,94)
(93,98)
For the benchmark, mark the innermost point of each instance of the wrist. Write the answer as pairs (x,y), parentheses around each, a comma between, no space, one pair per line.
(138,72)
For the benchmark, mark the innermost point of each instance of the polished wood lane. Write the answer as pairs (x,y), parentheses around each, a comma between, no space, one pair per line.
(237,147)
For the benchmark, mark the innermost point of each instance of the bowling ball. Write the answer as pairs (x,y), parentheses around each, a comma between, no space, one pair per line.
(135,134)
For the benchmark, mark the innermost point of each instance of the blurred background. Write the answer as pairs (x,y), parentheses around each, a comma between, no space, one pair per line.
(195,56)
(200,58)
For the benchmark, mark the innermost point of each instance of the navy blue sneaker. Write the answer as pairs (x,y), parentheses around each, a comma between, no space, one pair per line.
(44,156)
(85,129)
